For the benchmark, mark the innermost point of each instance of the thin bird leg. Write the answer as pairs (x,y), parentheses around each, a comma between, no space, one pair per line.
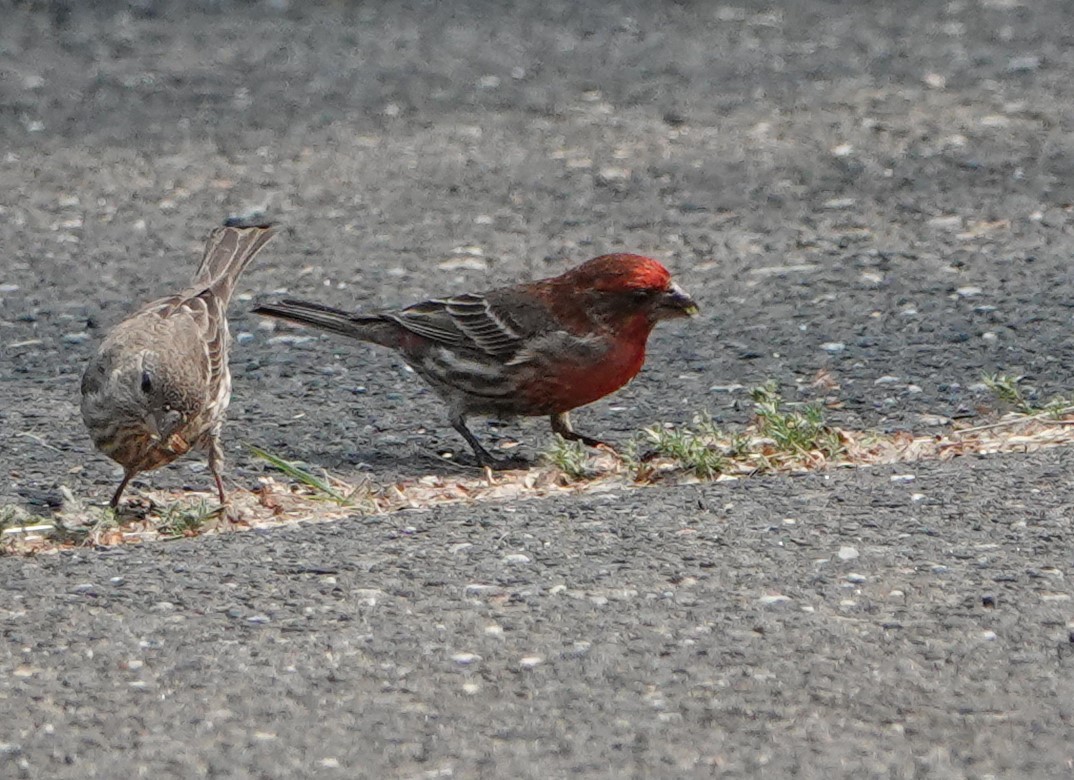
(216,464)
(484,457)
(122,486)
(561,424)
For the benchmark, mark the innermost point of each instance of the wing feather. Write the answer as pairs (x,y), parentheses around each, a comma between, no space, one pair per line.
(467,322)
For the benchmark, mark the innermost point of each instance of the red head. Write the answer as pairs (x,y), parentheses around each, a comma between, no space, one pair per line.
(623,288)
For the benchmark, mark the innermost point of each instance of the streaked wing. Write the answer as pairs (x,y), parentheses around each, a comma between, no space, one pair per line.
(464,321)
(206,311)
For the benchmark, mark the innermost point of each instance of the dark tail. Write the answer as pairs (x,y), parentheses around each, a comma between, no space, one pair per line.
(356,326)
(227,253)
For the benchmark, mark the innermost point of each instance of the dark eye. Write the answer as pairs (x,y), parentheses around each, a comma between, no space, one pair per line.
(147,383)
(641,295)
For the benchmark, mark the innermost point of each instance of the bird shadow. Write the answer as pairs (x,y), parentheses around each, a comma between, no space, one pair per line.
(386,465)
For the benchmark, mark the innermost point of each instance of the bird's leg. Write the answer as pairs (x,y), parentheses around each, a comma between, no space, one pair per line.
(127,475)
(484,457)
(216,464)
(561,424)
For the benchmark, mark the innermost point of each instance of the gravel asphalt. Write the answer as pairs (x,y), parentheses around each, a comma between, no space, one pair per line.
(878,194)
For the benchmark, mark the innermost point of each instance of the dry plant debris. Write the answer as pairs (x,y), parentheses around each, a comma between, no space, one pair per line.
(782,438)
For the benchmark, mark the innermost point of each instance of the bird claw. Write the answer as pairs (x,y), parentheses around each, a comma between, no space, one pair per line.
(135,508)
(515,463)
(228,519)
(512,463)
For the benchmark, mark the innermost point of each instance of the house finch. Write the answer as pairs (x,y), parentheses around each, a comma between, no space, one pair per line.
(546,347)
(159,383)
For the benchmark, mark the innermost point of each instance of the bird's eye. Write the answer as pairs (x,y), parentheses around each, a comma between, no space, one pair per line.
(641,295)
(147,383)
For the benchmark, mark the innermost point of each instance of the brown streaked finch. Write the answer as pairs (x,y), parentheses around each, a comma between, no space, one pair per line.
(159,384)
(534,349)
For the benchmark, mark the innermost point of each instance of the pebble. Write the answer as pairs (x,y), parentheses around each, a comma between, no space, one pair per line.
(516,558)
(291,340)
(530,661)
(369,595)
(886,380)
(855,578)
(848,553)
(839,203)
(831,347)
(945,222)
(902,479)
(76,338)
(777,598)
(464,264)
(988,636)
(968,292)
(8,288)
(465,659)
(244,337)
(481,589)
(258,619)
(1023,64)
(614,174)
(935,80)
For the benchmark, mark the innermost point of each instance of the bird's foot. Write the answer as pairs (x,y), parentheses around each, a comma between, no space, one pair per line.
(134,509)
(513,463)
(229,519)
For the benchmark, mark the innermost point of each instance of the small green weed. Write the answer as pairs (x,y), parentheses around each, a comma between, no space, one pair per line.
(570,457)
(320,486)
(796,432)
(695,451)
(184,519)
(1005,387)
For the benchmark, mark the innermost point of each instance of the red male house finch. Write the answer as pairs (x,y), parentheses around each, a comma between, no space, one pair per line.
(533,349)
(159,384)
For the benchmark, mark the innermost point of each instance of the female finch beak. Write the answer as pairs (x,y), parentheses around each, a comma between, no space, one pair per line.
(162,426)
(676,300)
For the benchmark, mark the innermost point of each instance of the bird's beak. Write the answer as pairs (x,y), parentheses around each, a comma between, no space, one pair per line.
(678,303)
(163,425)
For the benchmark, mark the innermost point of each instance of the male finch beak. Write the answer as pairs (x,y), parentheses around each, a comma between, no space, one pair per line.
(678,302)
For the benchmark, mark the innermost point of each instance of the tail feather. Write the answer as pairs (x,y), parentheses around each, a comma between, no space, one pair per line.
(316,315)
(227,253)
